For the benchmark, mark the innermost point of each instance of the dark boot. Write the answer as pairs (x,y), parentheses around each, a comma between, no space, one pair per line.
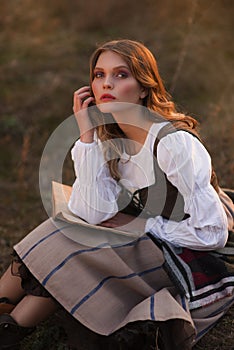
(5,306)
(11,333)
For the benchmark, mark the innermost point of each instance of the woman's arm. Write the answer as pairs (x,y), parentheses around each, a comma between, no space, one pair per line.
(187,165)
(94,192)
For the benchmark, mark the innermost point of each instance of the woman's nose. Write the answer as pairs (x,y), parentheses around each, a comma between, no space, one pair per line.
(108,84)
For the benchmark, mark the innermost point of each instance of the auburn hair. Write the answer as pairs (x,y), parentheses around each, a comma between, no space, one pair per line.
(144,68)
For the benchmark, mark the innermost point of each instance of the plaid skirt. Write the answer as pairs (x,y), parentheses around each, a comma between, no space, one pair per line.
(107,286)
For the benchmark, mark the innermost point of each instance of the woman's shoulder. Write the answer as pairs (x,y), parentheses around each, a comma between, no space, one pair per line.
(154,131)
(180,145)
(165,133)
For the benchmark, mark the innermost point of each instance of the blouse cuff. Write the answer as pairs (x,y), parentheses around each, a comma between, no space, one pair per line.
(206,208)
(153,223)
(86,144)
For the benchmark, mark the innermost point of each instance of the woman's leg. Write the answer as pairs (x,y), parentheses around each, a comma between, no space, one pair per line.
(19,320)
(32,310)
(10,285)
(29,310)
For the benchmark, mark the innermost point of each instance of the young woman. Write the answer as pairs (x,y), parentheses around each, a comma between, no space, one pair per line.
(140,167)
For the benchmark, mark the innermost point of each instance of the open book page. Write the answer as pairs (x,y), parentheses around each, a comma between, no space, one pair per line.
(60,197)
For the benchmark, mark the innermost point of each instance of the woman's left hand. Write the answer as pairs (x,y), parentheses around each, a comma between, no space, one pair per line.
(125,222)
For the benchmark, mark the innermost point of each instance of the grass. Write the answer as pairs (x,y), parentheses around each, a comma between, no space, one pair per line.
(44,50)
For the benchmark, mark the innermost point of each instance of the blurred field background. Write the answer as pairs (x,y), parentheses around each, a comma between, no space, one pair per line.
(44,52)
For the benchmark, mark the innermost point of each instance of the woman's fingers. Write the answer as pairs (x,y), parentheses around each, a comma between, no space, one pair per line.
(82,99)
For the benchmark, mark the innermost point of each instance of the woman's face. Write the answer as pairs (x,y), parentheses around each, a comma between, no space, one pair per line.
(114,82)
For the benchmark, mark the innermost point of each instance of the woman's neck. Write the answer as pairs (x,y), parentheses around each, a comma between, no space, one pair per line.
(134,124)
(135,136)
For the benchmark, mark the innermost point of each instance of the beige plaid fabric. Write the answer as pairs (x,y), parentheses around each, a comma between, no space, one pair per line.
(105,287)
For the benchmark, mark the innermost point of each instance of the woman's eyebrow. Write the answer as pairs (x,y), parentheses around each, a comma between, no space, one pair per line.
(114,68)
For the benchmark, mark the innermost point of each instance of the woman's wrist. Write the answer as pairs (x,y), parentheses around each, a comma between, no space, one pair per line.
(87,137)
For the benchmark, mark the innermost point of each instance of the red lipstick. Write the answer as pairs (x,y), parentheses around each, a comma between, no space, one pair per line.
(107,97)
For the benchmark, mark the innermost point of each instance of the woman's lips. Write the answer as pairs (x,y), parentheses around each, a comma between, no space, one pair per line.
(107,97)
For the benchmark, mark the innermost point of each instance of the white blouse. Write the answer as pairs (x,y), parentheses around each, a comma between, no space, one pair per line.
(187,165)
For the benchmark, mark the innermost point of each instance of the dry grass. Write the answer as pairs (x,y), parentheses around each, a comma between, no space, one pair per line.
(44,48)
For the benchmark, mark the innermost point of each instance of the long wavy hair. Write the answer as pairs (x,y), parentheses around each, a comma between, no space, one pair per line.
(144,69)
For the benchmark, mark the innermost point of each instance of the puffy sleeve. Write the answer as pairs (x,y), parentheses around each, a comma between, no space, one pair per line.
(94,191)
(187,164)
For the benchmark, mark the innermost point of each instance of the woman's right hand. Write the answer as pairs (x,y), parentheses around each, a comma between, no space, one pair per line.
(81,101)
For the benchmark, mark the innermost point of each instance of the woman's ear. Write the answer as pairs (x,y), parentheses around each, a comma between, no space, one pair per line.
(144,92)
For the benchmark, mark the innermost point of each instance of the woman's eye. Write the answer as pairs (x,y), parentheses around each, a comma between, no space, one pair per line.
(122,75)
(117,74)
(98,74)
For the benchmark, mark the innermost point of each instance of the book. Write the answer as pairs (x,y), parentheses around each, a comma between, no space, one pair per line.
(60,198)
